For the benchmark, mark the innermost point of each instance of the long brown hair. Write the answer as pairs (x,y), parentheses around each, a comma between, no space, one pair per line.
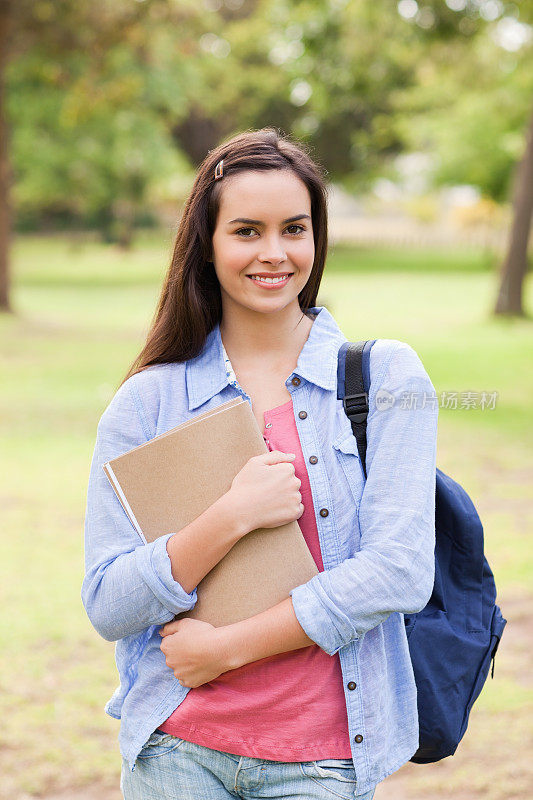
(190,303)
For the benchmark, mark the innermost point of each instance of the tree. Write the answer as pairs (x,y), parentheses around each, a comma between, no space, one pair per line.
(5,178)
(80,68)
(469,106)
(21,25)
(116,90)
(509,300)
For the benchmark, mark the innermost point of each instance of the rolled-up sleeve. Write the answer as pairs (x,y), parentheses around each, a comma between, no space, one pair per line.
(394,569)
(128,585)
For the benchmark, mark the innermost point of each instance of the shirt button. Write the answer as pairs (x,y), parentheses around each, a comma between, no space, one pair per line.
(351,686)
(358,738)
(313,459)
(295,381)
(302,414)
(324,512)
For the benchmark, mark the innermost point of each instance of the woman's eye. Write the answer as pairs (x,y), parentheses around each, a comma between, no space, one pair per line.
(248,233)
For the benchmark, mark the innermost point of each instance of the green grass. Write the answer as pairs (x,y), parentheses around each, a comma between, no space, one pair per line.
(82,310)
(450,260)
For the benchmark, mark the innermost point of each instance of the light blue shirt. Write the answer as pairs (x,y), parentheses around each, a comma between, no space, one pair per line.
(376,539)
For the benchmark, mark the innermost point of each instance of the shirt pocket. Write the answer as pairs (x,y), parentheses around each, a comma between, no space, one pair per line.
(345,446)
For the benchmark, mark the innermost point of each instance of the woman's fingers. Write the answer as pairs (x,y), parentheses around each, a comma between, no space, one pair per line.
(170,627)
(275,456)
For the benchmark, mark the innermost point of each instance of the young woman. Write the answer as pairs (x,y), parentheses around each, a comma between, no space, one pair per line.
(315,697)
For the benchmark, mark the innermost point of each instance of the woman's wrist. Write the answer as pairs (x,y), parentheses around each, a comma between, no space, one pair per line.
(228,649)
(268,633)
(237,523)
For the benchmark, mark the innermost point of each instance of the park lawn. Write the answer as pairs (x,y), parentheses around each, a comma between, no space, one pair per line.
(82,312)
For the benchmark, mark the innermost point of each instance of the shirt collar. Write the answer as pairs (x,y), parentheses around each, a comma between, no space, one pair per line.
(206,374)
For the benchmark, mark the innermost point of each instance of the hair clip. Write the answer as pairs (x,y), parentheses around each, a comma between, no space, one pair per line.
(219,170)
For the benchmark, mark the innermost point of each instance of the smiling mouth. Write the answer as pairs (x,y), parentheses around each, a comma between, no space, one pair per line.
(271,279)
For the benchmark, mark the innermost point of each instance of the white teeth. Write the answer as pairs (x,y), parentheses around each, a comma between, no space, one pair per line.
(269,280)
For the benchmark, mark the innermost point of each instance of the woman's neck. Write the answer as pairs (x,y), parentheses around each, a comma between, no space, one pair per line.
(274,337)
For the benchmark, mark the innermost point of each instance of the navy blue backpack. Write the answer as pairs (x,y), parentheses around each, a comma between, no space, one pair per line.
(453,640)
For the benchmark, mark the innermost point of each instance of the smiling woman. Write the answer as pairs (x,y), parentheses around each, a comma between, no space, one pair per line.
(271,252)
(282,208)
(314,697)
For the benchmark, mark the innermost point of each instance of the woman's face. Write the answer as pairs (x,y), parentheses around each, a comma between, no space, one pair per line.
(263,229)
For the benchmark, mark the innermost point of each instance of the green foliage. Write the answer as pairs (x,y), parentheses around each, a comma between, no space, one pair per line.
(93,153)
(110,101)
(469,108)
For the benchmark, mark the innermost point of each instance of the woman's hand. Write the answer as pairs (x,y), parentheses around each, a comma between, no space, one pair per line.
(194,651)
(266,492)
(197,652)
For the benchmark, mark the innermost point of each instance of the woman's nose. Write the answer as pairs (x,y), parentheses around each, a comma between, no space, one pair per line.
(272,252)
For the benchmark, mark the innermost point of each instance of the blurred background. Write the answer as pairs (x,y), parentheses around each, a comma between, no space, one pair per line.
(421,113)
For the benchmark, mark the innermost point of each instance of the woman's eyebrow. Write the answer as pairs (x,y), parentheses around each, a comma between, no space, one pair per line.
(258,221)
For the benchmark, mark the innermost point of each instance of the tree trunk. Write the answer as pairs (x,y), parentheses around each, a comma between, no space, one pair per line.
(516,262)
(197,134)
(5,215)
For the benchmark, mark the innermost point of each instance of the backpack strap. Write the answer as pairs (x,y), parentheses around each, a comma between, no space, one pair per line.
(353,385)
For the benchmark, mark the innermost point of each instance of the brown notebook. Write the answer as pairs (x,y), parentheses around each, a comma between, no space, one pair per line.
(167,482)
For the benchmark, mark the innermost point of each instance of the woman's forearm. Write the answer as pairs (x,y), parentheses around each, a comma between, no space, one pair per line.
(198,547)
(273,631)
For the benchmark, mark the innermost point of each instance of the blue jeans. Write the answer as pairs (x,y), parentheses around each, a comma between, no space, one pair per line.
(169,768)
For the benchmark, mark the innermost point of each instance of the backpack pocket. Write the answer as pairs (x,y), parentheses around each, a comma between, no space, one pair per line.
(496,630)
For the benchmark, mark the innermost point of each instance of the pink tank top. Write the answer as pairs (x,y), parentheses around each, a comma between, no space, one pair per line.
(287,707)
